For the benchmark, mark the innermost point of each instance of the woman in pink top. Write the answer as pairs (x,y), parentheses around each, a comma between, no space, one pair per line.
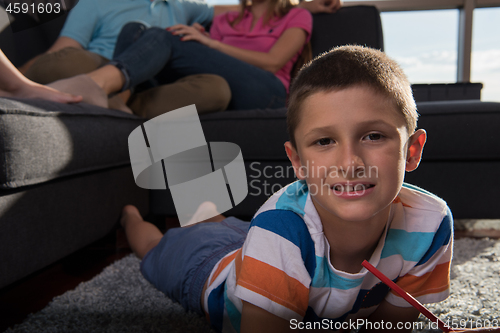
(268,34)
(254,50)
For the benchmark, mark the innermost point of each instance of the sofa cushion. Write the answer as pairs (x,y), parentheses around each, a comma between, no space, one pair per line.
(460,130)
(38,145)
(259,133)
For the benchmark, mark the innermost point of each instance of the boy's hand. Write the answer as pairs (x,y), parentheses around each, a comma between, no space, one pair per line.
(255,319)
(386,312)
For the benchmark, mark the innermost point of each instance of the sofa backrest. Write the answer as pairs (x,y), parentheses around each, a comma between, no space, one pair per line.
(350,25)
(360,25)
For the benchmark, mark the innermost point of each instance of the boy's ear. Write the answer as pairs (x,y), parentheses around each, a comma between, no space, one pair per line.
(416,144)
(294,157)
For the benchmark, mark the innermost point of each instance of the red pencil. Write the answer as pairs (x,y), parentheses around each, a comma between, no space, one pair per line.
(409,298)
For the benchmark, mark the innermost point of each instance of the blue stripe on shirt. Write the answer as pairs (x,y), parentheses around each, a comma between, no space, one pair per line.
(233,313)
(441,238)
(410,245)
(292,227)
(326,278)
(216,307)
(294,198)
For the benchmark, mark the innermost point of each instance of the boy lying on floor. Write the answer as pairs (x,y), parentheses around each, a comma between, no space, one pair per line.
(352,125)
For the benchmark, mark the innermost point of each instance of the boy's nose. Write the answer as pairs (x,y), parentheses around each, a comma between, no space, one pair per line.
(350,161)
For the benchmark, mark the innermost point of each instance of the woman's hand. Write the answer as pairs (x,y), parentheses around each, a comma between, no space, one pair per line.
(195,32)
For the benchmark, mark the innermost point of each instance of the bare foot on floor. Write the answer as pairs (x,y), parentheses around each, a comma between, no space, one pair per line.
(130,213)
(206,212)
(142,236)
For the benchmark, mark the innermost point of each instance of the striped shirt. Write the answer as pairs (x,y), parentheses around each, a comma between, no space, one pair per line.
(284,267)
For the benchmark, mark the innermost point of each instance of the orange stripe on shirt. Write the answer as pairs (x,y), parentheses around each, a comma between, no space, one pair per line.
(237,264)
(430,283)
(273,284)
(223,264)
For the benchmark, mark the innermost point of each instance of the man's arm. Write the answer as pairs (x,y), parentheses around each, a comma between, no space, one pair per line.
(59,44)
(63,42)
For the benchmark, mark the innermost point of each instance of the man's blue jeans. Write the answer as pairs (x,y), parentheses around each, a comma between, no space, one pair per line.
(153,52)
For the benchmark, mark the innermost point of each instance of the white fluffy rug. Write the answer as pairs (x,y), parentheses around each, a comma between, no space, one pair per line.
(475,286)
(121,300)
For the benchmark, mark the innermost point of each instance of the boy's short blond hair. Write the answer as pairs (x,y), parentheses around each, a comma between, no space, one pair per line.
(347,66)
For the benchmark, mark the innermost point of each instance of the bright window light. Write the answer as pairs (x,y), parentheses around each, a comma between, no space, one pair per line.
(424,43)
(486,52)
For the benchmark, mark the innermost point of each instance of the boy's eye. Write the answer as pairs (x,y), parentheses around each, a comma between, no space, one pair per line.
(324,142)
(373,136)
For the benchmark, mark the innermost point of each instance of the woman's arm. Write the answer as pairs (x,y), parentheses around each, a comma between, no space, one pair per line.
(289,43)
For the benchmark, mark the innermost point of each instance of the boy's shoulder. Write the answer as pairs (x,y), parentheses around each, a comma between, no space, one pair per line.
(419,212)
(412,196)
(292,197)
(288,212)
(284,220)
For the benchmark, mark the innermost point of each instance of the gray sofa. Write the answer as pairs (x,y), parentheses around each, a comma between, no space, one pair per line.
(64,177)
(65,172)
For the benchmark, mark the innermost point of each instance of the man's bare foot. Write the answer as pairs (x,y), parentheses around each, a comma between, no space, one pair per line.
(116,103)
(84,86)
(130,214)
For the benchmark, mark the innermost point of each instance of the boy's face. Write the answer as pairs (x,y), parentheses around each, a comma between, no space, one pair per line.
(353,149)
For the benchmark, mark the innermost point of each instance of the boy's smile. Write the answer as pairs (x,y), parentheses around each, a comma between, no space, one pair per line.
(352,152)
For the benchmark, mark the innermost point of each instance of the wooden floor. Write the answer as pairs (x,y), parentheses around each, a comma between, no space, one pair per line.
(34,292)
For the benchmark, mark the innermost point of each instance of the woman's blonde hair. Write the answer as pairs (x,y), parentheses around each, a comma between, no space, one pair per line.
(277,8)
